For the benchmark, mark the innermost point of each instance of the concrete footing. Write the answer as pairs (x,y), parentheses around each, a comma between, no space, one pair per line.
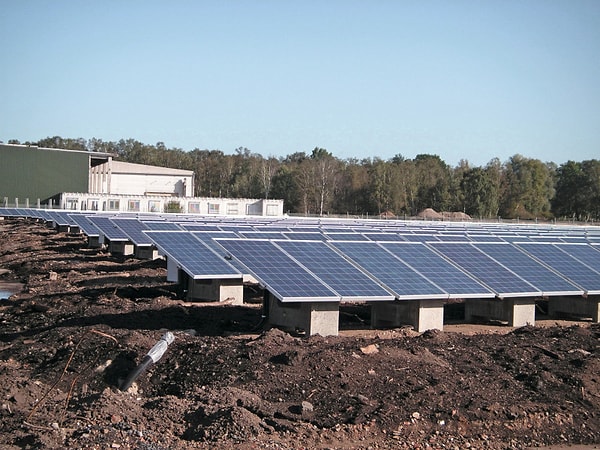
(146,252)
(231,290)
(422,315)
(124,248)
(518,312)
(579,307)
(212,290)
(313,317)
(94,242)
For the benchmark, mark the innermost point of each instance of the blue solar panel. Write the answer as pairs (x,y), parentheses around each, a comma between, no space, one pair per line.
(452,237)
(281,275)
(59,218)
(165,226)
(329,266)
(418,237)
(345,236)
(498,278)
(261,234)
(199,227)
(194,257)
(587,254)
(438,270)
(562,262)
(133,228)
(305,236)
(108,228)
(389,270)
(484,238)
(84,224)
(383,236)
(547,281)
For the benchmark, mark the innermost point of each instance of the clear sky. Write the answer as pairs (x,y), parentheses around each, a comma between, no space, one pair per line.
(463,79)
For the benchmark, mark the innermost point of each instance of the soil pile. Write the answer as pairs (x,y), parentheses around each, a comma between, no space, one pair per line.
(87,318)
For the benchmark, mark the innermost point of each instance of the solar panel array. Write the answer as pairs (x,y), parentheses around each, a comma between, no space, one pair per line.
(301,259)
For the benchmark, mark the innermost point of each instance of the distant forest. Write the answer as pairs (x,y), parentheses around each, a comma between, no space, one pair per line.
(318,183)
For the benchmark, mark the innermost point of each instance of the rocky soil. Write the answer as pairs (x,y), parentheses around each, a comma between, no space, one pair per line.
(86,318)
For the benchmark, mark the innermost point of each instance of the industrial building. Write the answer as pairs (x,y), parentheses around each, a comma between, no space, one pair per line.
(76,180)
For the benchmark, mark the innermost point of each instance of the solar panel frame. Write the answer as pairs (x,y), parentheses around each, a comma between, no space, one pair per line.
(108,228)
(133,228)
(192,255)
(391,272)
(85,225)
(495,276)
(539,275)
(437,269)
(569,266)
(345,278)
(277,272)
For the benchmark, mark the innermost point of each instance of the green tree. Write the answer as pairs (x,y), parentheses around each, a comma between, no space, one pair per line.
(527,188)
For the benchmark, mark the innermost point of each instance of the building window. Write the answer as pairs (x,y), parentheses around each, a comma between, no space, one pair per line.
(153,206)
(194,208)
(93,204)
(71,203)
(114,205)
(272,210)
(133,205)
(213,208)
(232,209)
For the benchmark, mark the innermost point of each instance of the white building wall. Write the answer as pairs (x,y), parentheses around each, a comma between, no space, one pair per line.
(116,177)
(141,184)
(230,207)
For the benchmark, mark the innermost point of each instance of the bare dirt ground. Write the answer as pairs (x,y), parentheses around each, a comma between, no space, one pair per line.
(86,318)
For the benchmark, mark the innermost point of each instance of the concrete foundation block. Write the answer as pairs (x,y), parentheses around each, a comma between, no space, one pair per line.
(231,290)
(518,312)
(313,317)
(94,242)
(146,252)
(422,315)
(579,307)
(121,248)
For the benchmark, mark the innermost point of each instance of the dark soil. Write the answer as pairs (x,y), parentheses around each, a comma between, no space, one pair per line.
(86,318)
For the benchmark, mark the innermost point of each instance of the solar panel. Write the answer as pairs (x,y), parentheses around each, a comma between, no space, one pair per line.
(84,224)
(165,226)
(338,273)
(484,238)
(389,270)
(59,218)
(587,254)
(502,281)
(279,273)
(418,237)
(344,236)
(547,281)
(438,270)
(133,228)
(305,236)
(261,234)
(562,262)
(199,227)
(108,228)
(192,255)
(383,236)
(453,237)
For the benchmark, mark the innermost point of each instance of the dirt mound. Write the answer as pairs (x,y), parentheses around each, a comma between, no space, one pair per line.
(431,214)
(87,318)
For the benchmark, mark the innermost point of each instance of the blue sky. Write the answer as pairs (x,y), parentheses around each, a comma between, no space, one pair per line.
(472,79)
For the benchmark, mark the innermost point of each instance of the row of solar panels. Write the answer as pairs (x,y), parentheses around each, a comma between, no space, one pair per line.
(354,268)
(310,229)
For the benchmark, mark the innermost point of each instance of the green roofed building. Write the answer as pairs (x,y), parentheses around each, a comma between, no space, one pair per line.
(34,173)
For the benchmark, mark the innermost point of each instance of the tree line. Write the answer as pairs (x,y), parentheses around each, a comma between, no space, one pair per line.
(318,183)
